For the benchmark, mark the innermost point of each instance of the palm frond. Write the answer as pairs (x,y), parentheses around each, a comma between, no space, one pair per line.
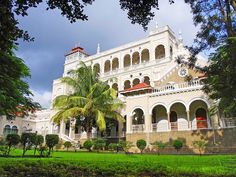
(100,120)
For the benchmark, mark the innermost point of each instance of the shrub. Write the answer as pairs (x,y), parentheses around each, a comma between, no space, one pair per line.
(27,140)
(159,145)
(141,144)
(59,144)
(51,141)
(88,145)
(99,144)
(200,145)
(178,144)
(112,146)
(125,145)
(67,145)
(12,140)
(39,140)
(3,147)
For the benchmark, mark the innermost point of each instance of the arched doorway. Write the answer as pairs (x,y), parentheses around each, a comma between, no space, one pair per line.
(135,58)
(159,118)
(127,84)
(136,81)
(138,120)
(201,117)
(173,120)
(160,52)
(147,80)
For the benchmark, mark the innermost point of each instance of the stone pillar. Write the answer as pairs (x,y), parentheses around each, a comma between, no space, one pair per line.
(120,128)
(129,124)
(188,118)
(148,121)
(72,129)
(168,119)
(62,128)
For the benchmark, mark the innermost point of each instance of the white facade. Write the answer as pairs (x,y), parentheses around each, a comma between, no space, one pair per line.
(38,122)
(170,103)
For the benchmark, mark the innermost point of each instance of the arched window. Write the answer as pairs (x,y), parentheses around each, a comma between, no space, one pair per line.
(115,86)
(136,81)
(14,129)
(6,130)
(127,84)
(160,52)
(145,55)
(135,58)
(138,116)
(127,60)
(115,64)
(107,66)
(147,80)
(96,68)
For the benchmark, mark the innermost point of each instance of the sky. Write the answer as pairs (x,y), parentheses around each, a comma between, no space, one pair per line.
(107,25)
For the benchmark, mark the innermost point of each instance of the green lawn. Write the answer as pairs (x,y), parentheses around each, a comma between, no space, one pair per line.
(129,165)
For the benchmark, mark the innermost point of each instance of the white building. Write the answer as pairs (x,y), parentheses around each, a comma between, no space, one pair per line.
(38,122)
(155,89)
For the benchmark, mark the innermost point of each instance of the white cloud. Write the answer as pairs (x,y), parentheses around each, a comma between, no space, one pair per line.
(44,98)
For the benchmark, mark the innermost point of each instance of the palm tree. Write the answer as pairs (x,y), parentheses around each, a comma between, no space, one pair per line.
(92,100)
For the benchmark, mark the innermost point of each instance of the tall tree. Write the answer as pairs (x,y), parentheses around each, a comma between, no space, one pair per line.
(92,100)
(217,22)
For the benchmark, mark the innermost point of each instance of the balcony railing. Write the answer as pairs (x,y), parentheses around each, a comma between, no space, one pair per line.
(228,122)
(178,87)
(138,128)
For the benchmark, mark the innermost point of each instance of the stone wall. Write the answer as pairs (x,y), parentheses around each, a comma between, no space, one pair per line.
(218,141)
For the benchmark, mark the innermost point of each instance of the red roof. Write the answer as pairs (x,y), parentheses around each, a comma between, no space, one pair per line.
(76,49)
(140,86)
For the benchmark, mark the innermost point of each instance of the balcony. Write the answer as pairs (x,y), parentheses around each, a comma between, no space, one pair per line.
(138,128)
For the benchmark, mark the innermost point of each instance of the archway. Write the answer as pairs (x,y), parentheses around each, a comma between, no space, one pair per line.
(115,86)
(14,129)
(107,66)
(96,68)
(147,80)
(160,52)
(201,117)
(127,60)
(115,64)
(159,118)
(136,81)
(178,116)
(145,55)
(138,120)
(6,130)
(135,58)
(127,84)
(198,114)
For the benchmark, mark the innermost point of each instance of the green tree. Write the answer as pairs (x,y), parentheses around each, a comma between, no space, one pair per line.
(200,145)
(178,144)
(39,140)
(159,146)
(141,144)
(12,140)
(67,145)
(99,144)
(216,19)
(27,140)
(88,144)
(92,101)
(51,141)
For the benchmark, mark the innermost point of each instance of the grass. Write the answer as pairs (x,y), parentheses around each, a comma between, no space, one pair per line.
(208,165)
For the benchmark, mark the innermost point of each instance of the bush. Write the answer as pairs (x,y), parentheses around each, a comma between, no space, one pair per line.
(125,145)
(12,140)
(51,141)
(141,144)
(67,145)
(3,147)
(159,145)
(200,145)
(99,144)
(38,142)
(178,144)
(88,145)
(112,147)
(27,140)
